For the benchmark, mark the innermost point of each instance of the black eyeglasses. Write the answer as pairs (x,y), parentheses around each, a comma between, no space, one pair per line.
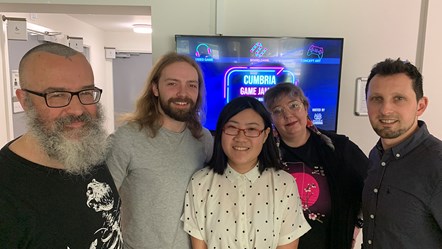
(58,99)
(249,132)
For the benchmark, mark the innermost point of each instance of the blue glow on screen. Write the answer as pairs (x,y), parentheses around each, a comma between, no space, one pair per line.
(247,66)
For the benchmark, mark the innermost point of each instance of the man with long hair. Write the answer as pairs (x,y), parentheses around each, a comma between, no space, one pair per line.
(55,189)
(155,153)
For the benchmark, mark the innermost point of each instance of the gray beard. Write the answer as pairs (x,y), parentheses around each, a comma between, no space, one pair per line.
(78,156)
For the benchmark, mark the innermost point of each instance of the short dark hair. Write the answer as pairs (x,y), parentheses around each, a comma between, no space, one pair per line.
(269,155)
(391,67)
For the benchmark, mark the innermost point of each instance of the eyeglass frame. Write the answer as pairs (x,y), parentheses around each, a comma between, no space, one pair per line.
(77,93)
(244,132)
(283,108)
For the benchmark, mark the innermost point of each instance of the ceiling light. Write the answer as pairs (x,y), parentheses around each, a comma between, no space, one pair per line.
(142,28)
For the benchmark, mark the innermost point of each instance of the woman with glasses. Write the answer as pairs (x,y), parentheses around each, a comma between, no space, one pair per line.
(242,199)
(329,170)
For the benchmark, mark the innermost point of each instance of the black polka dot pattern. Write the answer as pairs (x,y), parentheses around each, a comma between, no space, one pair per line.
(234,210)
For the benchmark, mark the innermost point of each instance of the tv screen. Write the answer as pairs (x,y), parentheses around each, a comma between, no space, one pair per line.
(247,66)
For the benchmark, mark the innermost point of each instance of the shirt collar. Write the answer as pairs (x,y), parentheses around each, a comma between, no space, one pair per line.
(234,176)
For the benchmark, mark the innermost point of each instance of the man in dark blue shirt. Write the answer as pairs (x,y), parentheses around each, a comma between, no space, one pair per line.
(402,197)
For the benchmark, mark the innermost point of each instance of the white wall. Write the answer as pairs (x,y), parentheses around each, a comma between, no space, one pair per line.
(93,38)
(432,68)
(128,41)
(5,104)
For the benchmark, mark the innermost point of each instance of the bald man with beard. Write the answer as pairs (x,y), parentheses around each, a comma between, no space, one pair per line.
(55,188)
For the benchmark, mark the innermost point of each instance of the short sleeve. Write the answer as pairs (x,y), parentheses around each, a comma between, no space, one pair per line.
(189,216)
(294,224)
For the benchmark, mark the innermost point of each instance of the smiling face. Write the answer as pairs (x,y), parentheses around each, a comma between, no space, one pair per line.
(65,134)
(291,123)
(242,151)
(46,72)
(177,90)
(392,108)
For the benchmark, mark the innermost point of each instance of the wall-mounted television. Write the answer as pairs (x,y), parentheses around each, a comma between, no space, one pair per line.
(247,66)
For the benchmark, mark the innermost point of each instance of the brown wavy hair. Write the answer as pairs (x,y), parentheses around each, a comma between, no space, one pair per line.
(147,114)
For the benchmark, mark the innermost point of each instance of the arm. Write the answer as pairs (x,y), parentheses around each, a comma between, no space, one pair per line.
(191,212)
(436,203)
(355,236)
(295,224)
(291,245)
(118,158)
(198,244)
(358,166)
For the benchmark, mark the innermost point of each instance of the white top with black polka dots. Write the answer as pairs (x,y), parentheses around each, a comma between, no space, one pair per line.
(243,210)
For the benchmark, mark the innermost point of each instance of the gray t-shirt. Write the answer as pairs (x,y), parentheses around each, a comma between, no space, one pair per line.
(152,175)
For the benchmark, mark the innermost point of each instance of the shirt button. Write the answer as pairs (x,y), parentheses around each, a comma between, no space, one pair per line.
(372,216)
(398,155)
(375,190)
(383,164)
(369,242)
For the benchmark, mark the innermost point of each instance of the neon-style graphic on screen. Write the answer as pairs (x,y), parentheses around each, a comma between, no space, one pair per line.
(203,50)
(236,66)
(252,81)
(258,50)
(315,50)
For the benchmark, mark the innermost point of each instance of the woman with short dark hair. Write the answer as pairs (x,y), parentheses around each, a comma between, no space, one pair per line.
(242,199)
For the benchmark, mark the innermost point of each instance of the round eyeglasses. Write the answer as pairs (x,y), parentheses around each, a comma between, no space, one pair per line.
(249,132)
(292,107)
(58,99)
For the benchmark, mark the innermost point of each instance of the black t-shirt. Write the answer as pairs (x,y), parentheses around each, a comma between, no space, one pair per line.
(42,207)
(304,164)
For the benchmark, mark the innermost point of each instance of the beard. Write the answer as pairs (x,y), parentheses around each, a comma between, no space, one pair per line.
(78,150)
(388,133)
(178,114)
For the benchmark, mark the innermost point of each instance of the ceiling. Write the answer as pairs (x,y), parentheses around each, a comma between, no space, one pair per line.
(113,23)
(109,18)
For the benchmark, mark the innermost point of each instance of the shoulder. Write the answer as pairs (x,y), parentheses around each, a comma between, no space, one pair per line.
(335,137)
(202,177)
(433,149)
(126,129)
(206,135)
(342,142)
(434,142)
(125,134)
(202,173)
(206,132)
(280,176)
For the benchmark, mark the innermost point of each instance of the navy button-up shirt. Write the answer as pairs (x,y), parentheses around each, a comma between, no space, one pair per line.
(402,197)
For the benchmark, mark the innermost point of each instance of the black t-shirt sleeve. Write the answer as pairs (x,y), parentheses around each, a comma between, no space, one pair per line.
(15,230)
